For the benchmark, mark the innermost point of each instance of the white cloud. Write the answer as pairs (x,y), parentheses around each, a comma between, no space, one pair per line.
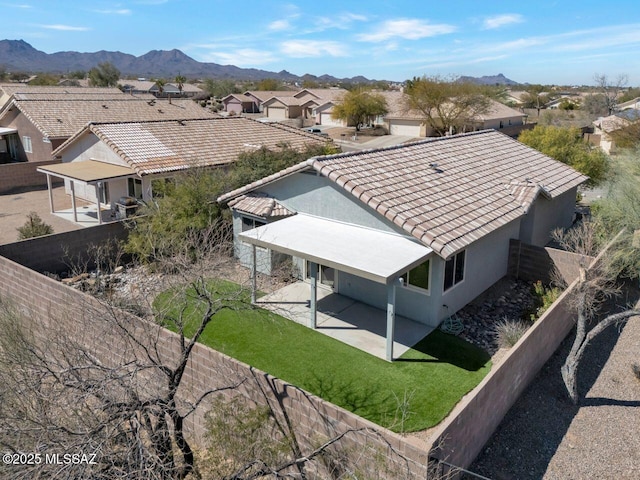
(244,57)
(16,5)
(502,20)
(312,48)
(409,29)
(279,25)
(341,21)
(65,28)
(122,11)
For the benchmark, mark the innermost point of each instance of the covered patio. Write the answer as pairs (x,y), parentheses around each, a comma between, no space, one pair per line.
(371,254)
(88,172)
(345,319)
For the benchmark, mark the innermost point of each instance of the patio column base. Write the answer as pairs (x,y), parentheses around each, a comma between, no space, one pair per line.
(391,318)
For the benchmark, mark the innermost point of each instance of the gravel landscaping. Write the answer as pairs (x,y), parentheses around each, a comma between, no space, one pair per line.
(544,436)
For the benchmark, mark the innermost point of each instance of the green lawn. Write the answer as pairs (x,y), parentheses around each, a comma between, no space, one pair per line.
(433,376)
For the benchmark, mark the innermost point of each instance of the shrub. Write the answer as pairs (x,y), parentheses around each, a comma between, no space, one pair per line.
(544,298)
(34,227)
(510,331)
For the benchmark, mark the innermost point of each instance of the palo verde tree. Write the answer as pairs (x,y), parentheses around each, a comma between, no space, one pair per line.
(359,106)
(445,104)
(104,75)
(567,146)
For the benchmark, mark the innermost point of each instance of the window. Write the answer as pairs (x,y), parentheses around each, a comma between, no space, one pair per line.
(249,223)
(454,270)
(501,124)
(418,277)
(103,192)
(26,143)
(134,187)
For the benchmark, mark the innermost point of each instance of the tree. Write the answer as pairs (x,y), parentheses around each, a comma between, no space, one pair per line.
(188,203)
(104,75)
(567,146)
(446,105)
(219,88)
(627,137)
(160,83)
(78,74)
(534,98)
(269,84)
(3,73)
(596,104)
(180,81)
(611,89)
(34,227)
(45,79)
(358,107)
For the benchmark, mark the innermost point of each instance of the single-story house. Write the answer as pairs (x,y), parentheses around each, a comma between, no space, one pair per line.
(399,121)
(42,122)
(604,126)
(237,103)
(151,87)
(418,230)
(104,162)
(261,96)
(7,90)
(282,108)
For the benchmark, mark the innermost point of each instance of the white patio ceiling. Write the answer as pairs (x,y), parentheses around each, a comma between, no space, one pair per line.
(372,254)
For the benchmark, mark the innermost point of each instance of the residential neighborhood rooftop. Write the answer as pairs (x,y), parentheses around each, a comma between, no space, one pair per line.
(61,118)
(170,145)
(447,192)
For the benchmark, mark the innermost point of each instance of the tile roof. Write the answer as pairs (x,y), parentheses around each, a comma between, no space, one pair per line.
(260,205)
(264,95)
(172,145)
(62,118)
(12,88)
(447,192)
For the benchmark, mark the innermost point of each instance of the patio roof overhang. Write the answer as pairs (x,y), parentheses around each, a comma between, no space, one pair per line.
(371,254)
(7,131)
(88,171)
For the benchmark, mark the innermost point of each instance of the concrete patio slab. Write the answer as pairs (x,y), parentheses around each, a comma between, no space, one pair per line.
(342,318)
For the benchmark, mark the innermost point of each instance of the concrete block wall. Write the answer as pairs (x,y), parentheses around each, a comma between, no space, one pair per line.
(532,263)
(20,175)
(50,303)
(54,253)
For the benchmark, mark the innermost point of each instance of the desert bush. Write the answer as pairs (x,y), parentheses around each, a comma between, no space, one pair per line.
(509,331)
(34,227)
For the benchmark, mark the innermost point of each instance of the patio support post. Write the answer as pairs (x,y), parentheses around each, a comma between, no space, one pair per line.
(391,317)
(313,303)
(253,273)
(49,186)
(98,202)
(73,201)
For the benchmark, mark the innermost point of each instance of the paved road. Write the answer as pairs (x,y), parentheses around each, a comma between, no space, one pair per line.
(15,207)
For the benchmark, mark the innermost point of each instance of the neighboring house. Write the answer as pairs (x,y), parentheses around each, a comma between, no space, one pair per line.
(7,90)
(103,162)
(419,229)
(40,123)
(261,96)
(635,104)
(283,108)
(237,103)
(399,121)
(604,126)
(151,87)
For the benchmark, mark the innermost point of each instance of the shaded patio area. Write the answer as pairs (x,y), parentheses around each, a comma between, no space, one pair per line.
(86,215)
(349,321)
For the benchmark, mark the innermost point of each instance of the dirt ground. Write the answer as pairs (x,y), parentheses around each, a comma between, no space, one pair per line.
(15,207)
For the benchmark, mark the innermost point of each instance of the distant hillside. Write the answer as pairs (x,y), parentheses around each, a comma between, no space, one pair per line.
(499,79)
(18,55)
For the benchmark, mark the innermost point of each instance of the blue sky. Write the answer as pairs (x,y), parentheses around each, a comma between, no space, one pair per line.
(550,42)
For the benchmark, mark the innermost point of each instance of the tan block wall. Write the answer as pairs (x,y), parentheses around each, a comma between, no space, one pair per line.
(20,175)
(48,301)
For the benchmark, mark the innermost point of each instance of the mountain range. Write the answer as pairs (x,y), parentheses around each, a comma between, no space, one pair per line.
(18,55)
